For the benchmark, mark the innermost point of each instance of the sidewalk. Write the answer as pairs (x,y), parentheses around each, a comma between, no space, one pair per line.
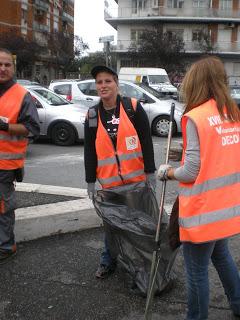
(52,278)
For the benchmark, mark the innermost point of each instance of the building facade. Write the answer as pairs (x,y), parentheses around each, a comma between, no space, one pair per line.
(37,20)
(189,19)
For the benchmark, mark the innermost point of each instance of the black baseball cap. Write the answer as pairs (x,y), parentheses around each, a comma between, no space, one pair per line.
(97,69)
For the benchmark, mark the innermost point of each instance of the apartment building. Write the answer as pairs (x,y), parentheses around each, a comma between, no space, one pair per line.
(189,19)
(36,20)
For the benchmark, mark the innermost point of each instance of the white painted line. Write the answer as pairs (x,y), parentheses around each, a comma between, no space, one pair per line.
(52,209)
(40,188)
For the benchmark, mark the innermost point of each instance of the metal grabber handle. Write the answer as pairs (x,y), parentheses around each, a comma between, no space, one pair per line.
(156,253)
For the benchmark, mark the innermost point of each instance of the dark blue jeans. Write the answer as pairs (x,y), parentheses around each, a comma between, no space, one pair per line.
(197,258)
(106,258)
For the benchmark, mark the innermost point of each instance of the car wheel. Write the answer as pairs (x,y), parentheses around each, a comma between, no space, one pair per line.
(160,126)
(63,134)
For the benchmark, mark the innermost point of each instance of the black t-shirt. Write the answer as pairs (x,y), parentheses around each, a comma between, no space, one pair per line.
(141,124)
(110,120)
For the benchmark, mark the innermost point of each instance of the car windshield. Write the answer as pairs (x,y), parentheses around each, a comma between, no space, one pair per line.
(154,92)
(50,97)
(155,79)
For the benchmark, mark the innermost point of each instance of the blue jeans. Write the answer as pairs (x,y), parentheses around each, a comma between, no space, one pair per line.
(197,258)
(106,258)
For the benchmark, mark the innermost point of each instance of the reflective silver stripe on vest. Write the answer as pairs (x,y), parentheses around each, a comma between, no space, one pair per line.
(11,156)
(12,138)
(107,161)
(130,156)
(210,217)
(210,185)
(109,180)
(133,174)
(122,157)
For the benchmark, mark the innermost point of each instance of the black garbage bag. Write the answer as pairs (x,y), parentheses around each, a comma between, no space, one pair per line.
(130,214)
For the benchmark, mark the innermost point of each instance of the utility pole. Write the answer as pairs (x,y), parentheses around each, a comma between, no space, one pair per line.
(106,41)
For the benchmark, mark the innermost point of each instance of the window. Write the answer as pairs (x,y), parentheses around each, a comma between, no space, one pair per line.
(129,91)
(64,89)
(24,15)
(50,97)
(225,4)
(134,6)
(201,4)
(92,91)
(175,33)
(136,35)
(175,3)
(83,87)
(197,35)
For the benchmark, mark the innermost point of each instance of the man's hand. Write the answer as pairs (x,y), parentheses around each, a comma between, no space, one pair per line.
(3,125)
(163,171)
(91,190)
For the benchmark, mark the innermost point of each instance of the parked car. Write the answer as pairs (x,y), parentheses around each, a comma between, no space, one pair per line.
(235,93)
(60,120)
(67,88)
(25,82)
(156,105)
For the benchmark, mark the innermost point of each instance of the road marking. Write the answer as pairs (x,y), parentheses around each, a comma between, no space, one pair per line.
(54,218)
(64,191)
(61,158)
(52,209)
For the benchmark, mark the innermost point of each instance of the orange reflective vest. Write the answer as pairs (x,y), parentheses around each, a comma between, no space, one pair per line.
(209,208)
(12,148)
(125,164)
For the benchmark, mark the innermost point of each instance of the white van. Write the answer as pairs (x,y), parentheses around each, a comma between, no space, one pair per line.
(155,78)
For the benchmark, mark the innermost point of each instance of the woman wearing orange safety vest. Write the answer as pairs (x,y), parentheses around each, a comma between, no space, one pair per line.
(118,147)
(209,189)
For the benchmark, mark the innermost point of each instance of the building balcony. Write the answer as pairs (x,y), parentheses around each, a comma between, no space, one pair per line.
(41,5)
(163,13)
(40,27)
(191,47)
(67,17)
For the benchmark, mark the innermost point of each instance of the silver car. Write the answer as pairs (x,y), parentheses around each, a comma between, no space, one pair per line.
(154,103)
(60,120)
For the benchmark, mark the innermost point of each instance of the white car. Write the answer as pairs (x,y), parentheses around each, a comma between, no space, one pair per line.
(154,103)
(60,120)
(72,90)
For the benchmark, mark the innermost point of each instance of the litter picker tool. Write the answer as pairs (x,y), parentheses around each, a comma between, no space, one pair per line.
(156,252)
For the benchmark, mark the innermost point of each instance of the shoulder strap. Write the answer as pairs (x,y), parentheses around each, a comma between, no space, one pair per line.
(130,105)
(93,117)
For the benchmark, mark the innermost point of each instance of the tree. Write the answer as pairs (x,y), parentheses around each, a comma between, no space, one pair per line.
(158,49)
(65,50)
(25,50)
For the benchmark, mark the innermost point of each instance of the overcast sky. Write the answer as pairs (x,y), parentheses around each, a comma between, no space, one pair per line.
(89,22)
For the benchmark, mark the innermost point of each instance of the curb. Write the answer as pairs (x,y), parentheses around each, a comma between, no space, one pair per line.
(56,218)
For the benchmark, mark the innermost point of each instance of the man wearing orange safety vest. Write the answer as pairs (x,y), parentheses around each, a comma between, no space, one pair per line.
(18,117)
(118,147)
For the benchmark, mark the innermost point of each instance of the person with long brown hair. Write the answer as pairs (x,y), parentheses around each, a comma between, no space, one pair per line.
(209,184)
